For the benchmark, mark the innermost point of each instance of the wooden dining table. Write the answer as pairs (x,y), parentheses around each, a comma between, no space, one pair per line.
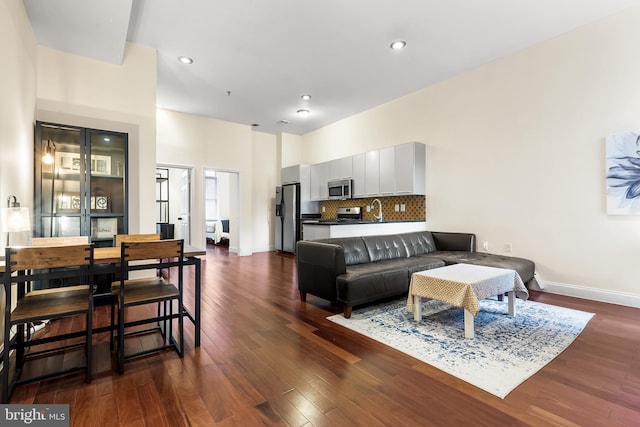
(111,255)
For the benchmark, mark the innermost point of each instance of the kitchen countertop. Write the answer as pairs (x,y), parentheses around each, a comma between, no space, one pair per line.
(355,221)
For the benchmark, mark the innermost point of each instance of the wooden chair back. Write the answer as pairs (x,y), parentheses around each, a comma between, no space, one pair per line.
(135,238)
(25,265)
(151,250)
(146,255)
(59,241)
(43,257)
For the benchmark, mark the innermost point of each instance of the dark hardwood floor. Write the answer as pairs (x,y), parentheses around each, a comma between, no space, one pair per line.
(268,359)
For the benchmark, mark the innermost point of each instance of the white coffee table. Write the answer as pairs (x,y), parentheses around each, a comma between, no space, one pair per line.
(464,285)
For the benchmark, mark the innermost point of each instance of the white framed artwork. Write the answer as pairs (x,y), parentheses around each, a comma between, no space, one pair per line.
(104,227)
(100,165)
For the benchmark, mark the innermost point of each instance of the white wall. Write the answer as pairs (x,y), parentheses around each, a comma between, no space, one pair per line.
(80,91)
(291,148)
(516,154)
(202,142)
(17,112)
(17,109)
(265,179)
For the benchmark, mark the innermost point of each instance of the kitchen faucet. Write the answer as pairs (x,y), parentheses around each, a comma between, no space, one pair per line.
(377,217)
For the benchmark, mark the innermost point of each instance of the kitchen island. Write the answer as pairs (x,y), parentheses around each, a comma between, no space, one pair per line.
(313,230)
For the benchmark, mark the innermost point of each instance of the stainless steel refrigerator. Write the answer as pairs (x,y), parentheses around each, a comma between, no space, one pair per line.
(288,226)
(292,207)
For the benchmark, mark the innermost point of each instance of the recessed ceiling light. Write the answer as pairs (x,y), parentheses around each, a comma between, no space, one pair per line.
(398,44)
(306,97)
(107,139)
(255,125)
(185,59)
(303,113)
(284,122)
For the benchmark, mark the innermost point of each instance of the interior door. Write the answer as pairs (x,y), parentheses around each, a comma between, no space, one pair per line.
(185,201)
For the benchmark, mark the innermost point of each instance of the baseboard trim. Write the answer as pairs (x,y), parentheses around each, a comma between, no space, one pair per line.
(602,295)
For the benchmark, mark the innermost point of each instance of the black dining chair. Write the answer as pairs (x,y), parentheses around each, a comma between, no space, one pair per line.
(24,266)
(149,257)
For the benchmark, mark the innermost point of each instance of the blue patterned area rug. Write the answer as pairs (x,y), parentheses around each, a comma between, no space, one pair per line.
(504,352)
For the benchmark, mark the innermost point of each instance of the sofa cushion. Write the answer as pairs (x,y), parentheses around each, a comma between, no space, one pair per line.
(364,283)
(355,251)
(420,263)
(419,242)
(385,247)
(451,241)
(524,267)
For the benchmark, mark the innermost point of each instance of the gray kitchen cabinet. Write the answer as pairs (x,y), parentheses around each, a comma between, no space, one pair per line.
(292,174)
(387,170)
(410,165)
(340,168)
(372,173)
(358,175)
(319,176)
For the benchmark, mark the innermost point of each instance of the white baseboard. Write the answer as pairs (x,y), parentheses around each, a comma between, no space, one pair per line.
(602,295)
(263,249)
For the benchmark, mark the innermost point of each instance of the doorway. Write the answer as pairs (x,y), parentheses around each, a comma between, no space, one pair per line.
(173,200)
(221,207)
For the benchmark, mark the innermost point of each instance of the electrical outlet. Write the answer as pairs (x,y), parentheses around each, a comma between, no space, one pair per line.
(403,207)
(324,209)
(368,208)
(507,247)
(485,246)
(397,207)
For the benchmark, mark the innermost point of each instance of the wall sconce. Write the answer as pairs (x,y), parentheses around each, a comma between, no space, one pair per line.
(15,218)
(49,153)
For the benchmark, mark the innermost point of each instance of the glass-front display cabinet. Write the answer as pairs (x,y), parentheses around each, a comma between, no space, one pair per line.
(80,182)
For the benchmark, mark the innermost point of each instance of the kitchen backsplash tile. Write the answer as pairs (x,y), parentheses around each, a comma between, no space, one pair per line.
(415,207)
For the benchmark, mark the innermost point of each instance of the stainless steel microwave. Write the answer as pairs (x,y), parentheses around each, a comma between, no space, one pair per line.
(340,189)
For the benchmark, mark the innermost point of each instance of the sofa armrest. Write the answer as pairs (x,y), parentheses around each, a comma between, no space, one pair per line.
(446,241)
(318,265)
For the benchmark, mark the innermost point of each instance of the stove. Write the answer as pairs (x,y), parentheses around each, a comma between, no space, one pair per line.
(343,215)
(349,214)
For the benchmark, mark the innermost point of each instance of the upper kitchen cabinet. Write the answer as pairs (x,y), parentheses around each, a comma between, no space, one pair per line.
(298,174)
(294,174)
(387,170)
(372,173)
(358,175)
(80,182)
(340,169)
(410,165)
(319,176)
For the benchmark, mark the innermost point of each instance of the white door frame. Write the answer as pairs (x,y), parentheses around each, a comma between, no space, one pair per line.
(234,223)
(170,166)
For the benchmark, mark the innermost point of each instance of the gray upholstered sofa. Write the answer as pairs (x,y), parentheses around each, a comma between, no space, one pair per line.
(350,271)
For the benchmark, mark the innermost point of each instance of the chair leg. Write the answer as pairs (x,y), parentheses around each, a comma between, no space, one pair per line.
(5,361)
(20,343)
(170,303)
(89,352)
(112,325)
(181,327)
(121,338)
(158,311)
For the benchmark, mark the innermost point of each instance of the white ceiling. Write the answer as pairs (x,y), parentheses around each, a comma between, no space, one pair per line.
(255,58)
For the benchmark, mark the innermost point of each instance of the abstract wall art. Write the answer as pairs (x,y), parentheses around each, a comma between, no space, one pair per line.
(623,173)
